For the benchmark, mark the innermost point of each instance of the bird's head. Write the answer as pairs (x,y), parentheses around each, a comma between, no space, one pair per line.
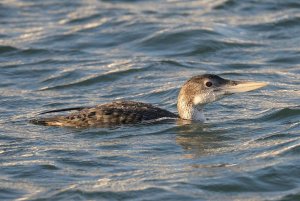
(203,89)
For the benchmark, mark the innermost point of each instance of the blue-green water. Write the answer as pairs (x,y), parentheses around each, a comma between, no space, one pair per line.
(56,54)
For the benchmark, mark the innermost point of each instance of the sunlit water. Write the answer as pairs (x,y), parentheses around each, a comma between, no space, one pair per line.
(56,54)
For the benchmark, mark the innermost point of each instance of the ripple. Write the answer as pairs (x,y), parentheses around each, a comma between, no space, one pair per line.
(290,22)
(190,42)
(164,40)
(265,6)
(285,113)
(5,49)
(286,59)
(93,79)
(291,197)
(75,192)
(82,19)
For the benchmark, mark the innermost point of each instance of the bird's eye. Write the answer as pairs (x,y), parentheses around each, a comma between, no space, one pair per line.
(208,84)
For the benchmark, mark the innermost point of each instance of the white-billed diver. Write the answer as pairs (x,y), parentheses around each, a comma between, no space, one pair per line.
(193,96)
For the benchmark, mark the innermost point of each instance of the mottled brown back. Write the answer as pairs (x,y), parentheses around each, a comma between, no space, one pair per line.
(118,112)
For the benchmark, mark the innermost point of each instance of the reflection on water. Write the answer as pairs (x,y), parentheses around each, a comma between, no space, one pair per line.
(201,140)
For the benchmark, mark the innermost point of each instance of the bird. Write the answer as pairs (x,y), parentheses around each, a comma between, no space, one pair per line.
(195,93)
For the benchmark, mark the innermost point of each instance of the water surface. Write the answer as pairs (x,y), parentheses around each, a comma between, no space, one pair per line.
(56,54)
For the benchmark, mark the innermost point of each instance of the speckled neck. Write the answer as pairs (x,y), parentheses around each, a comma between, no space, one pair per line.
(187,107)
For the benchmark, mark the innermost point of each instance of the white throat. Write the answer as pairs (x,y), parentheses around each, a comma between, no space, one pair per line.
(190,111)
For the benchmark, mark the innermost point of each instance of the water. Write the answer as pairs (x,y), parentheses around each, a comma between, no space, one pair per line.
(56,54)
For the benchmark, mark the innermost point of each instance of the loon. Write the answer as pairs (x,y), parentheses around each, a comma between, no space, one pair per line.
(193,96)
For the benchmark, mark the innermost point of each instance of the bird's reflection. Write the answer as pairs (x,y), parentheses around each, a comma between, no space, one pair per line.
(199,140)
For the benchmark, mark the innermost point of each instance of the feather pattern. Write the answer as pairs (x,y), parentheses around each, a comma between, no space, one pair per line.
(118,112)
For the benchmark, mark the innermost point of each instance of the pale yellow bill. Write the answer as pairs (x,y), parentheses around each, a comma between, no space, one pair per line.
(244,86)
